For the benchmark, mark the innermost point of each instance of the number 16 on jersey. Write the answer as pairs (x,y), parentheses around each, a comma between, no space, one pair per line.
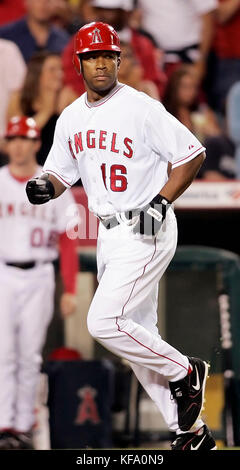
(114,177)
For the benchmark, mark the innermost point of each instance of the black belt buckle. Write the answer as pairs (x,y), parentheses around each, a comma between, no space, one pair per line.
(28,265)
(109,223)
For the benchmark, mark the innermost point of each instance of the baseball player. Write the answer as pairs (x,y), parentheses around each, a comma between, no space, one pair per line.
(29,238)
(134,160)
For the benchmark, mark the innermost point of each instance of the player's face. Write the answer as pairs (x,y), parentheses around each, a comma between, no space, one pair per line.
(21,150)
(99,69)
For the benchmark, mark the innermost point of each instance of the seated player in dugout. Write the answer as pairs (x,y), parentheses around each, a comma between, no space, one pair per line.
(121,143)
(30,240)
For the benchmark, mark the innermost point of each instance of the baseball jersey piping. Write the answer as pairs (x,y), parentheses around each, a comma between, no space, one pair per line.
(130,336)
(104,99)
(185,158)
(58,176)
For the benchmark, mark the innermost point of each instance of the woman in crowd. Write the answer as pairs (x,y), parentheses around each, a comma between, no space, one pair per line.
(42,96)
(181,100)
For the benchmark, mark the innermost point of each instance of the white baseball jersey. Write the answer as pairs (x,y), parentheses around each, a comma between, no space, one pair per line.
(120,147)
(30,232)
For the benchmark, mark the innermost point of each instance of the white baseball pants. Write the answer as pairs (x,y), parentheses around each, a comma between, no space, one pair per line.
(123,312)
(26,308)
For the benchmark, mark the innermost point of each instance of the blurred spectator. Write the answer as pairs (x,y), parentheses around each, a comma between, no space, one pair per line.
(116,13)
(183,29)
(227,52)
(180,99)
(30,240)
(131,73)
(12,75)
(60,13)
(64,16)
(34,32)
(233,121)
(220,162)
(42,97)
(11,10)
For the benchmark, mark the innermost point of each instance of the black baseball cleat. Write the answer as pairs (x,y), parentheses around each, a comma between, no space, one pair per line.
(189,393)
(199,440)
(11,440)
(7,440)
(23,440)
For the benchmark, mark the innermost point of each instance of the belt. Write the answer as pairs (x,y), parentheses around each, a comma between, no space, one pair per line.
(109,223)
(113,221)
(27,265)
(183,54)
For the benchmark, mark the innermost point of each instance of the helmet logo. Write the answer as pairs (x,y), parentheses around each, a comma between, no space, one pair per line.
(96,36)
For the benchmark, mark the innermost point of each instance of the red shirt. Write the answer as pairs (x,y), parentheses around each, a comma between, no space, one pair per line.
(227,38)
(11,10)
(146,54)
(144,50)
(69,265)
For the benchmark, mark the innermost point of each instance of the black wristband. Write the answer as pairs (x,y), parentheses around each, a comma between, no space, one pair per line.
(159,199)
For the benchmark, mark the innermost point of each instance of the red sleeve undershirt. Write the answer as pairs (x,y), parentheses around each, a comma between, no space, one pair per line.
(69,264)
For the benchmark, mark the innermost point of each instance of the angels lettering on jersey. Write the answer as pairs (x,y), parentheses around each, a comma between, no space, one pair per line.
(100,140)
(10,209)
(27,231)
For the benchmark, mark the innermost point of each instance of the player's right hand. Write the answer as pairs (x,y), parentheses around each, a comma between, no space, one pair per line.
(40,190)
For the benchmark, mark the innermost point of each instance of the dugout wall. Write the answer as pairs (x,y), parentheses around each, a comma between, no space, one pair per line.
(202,316)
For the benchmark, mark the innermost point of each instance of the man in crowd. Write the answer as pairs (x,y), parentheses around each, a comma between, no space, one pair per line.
(34,31)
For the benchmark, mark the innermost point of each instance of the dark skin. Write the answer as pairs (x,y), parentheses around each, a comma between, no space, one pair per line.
(100,70)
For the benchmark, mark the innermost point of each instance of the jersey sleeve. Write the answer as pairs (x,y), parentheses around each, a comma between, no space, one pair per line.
(60,162)
(188,146)
(159,133)
(169,138)
(205,6)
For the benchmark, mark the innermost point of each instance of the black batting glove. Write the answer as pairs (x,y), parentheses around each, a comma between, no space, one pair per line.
(40,190)
(152,216)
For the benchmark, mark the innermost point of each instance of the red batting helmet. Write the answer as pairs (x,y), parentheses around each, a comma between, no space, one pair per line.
(22,126)
(95,36)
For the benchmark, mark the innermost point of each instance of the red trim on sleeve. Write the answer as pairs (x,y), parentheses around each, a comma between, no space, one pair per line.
(58,176)
(69,264)
(185,158)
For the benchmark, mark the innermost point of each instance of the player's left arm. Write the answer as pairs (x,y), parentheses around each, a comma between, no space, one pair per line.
(181,177)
